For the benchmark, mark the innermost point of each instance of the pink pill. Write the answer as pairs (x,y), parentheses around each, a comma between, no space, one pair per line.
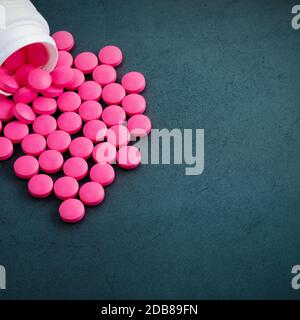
(40,186)
(139,125)
(69,122)
(16,131)
(16,60)
(72,211)
(86,62)
(26,167)
(66,188)
(113,94)
(44,105)
(81,147)
(33,144)
(76,168)
(25,95)
(90,110)
(64,59)
(51,161)
(44,125)
(104,74)
(90,90)
(59,140)
(118,136)
(78,80)
(6,109)
(110,55)
(62,76)
(134,104)
(95,130)
(6,148)
(133,82)
(104,152)
(68,101)
(128,157)
(39,80)
(64,40)
(3,70)
(102,173)
(22,73)
(52,92)
(24,113)
(91,193)
(37,54)
(113,115)
(8,83)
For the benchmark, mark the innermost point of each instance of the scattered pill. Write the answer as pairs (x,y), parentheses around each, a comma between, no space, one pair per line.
(25,95)
(16,131)
(104,74)
(24,113)
(26,167)
(81,147)
(91,193)
(68,101)
(76,168)
(33,144)
(6,109)
(69,122)
(72,211)
(39,79)
(59,140)
(95,130)
(113,94)
(52,92)
(86,62)
(102,173)
(110,55)
(40,186)
(64,58)
(113,115)
(44,105)
(8,83)
(90,110)
(139,125)
(78,80)
(118,135)
(134,104)
(62,76)
(104,152)
(51,161)
(64,40)
(133,82)
(66,188)
(90,90)
(6,148)
(44,125)
(128,157)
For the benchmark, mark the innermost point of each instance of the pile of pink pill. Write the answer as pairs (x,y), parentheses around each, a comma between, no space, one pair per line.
(63,118)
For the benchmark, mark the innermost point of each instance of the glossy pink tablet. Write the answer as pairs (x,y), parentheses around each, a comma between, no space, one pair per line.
(72,211)
(26,167)
(16,131)
(118,135)
(66,188)
(90,90)
(64,59)
(59,140)
(113,115)
(91,193)
(8,83)
(104,152)
(104,74)
(6,148)
(15,60)
(77,81)
(133,82)
(52,92)
(68,101)
(76,168)
(33,144)
(110,55)
(22,73)
(64,40)
(113,94)
(86,62)
(69,122)
(90,110)
(128,157)
(81,147)
(51,161)
(40,186)
(6,109)
(139,125)
(134,104)
(44,125)
(24,113)
(39,80)
(62,76)
(102,173)
(25,95)
(44,105)
(95,130)
(37,54)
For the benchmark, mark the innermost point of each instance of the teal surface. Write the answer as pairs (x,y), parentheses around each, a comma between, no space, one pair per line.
(230,67)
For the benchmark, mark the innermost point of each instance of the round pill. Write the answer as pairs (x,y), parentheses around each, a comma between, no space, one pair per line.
(104,152)
(24,113)
(6,109)
(95,130)
(26,167)
(44,105)
(16,131)
(62,76)
(91,193)
(25,95)
(64,59)
(90,90)
(51,161)
(78,80)
(39,80)
(64,40)
(81,147)
(113,115)
(90,110)
(76,168)
(134,104)
(15,60)
(102,173)
(86,62)
(37,54)
(118,135)
(52,92)
(22,73)
(8,83)
(66,188)
(110,55)
(59,140)
(33,144)
(72,210)
(128,157)
(104,74)
(44,125)
(6,148)
(113,94)
(40,186)
(68,101)
(69,122)
(139,125)
(133,82)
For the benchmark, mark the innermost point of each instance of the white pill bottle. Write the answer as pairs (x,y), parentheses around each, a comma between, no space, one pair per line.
(21,25)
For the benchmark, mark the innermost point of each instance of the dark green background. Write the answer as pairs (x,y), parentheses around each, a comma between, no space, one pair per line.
(231,67)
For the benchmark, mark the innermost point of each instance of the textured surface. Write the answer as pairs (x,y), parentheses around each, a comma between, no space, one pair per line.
(231,67)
